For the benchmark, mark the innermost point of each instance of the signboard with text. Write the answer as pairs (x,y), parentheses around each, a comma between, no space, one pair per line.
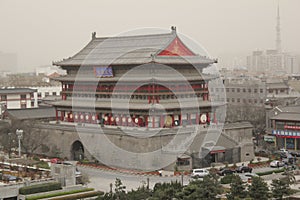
(286,133)
(103,72)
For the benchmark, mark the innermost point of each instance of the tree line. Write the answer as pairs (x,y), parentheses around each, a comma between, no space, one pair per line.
(207,188)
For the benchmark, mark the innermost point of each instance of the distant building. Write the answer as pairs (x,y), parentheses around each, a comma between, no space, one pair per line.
(274,60)
(42,84)
(271,61)
(277,89)
(245,90)
(48,70)
(18,98)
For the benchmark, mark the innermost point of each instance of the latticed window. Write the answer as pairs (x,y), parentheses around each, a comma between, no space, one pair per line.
(23,96)
(3,97)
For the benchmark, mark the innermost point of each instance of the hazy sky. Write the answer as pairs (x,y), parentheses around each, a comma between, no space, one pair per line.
(41,31)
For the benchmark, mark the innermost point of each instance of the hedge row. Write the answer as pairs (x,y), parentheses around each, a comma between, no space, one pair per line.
(270,172)
(45,187)
(80,196)
(58,194)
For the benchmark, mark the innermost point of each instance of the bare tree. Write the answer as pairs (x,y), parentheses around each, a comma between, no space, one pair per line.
(33,139)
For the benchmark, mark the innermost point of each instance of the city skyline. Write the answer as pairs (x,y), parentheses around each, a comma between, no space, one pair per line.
(40,33)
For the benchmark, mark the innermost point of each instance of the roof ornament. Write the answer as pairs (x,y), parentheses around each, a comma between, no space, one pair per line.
(152,57)
(173,29)
(93,35)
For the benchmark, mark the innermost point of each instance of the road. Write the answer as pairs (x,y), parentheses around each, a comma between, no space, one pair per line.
(101,179)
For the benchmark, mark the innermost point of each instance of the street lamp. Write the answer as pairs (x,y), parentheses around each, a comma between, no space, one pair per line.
(19,133)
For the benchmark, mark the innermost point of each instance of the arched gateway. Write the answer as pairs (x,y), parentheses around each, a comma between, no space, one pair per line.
(77,151)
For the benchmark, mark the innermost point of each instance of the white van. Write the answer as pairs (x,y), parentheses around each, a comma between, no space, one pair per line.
(199,173)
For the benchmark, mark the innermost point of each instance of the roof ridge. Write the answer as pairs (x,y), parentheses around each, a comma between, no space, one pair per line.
(130,36)
(94,38)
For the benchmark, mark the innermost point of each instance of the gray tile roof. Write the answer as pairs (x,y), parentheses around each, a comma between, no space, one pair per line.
(287,116)
(291,109)
(143,77)
(138,105)
(277,85)
(16,90)
(34,113)
(136,49)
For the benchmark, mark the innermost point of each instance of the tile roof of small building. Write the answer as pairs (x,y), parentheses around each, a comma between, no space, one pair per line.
(16,90)
(289,113)
(33,113)
(287,116)
(135,49)
(277,85)
(291,109)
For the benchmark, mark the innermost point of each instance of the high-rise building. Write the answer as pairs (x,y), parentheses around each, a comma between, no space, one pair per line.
(273,60)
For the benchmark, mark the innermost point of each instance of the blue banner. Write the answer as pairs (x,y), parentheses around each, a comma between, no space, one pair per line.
(103,72)
(288,133)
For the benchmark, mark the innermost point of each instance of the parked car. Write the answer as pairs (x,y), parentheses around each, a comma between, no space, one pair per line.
(7,177)
(225,171)
(281,154)
(295,153)
(289,160)
(243,169)
(283,150)
(276,163)
(199,173)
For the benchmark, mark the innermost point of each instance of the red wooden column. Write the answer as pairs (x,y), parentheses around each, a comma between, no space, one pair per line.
(62,115)
(180,119)
(172,125)
(146,121)
(149,96)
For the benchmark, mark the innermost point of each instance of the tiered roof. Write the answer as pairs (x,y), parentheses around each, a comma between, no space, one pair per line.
(137,49)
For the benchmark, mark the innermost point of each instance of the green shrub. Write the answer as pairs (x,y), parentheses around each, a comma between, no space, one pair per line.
(270,172)
(81,196)
(227,179)
(36,158)
(43,165)
(59,195)
(45,187)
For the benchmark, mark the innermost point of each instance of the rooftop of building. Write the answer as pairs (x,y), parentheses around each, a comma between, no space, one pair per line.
(136,49)
(277,85)
(32,113)
(242,80)
(287,116)
(289,113)
(289,109)
(25,80)
(16,90)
